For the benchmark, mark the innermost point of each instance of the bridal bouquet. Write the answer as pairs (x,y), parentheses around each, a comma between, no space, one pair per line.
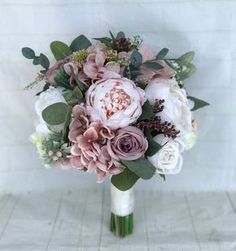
(114,108)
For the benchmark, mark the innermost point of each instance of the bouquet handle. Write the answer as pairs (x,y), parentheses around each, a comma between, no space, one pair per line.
(122,207)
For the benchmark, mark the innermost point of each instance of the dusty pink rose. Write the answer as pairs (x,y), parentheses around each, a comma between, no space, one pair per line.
(116,102)
(129,144)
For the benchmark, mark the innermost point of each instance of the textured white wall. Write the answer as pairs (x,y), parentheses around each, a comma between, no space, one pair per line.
(208,27)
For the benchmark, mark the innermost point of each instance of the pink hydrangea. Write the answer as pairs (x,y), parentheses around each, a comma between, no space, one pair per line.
(89,145)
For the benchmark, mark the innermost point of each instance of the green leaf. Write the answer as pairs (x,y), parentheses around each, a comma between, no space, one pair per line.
(43,71)
(77,93)
(153,65)
(62,80)
(73,97)
(153,146)
(43,61)
(55,114)
(105,40)
(36,60)
(28,52)
(82,85)
(120,35)
(186,72)
(172,63)
(141,167)
(136,58)
(147,111)
(46,86)
(162,53)
(60,50)
(187,57)
(162,176)
(112,37)
(66,126)
(198,103)
(79,43)
(125,180)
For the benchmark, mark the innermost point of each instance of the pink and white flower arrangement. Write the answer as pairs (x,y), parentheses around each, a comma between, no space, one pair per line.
(114,108)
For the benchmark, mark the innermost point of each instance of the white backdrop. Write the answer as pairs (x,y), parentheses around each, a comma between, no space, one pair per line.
(208,27)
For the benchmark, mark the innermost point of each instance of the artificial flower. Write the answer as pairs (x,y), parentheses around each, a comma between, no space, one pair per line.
(51,73)
(176,106)
(128,144)
(168,160)
(115,102)
(47,98)
(89,145)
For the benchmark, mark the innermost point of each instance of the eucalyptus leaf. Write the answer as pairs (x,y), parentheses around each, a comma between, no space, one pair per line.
(60,50)
(105,40)
(77,93)
(55,114)
(162,53)
(162,176)
(28,52)
(66,125)
(73,97)
(120,35)
(43,71)
(62,80)
(79,43)
(46,86)
(36,60)
(43,61)
(125,180)
(153,146)
(187,57)
(141,167)
(153,65)
(198,103)
(172,64)
(147,111)
(134,73)
(136,58)
(186,72)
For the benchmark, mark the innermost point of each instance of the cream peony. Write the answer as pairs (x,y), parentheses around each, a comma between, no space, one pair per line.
(115,102)
(168,159)
(176,107)
(47,98)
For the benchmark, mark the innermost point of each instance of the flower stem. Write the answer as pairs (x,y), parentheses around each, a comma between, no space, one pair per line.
(121,225)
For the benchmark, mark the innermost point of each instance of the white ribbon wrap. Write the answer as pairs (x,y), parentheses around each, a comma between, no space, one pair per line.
(122,203)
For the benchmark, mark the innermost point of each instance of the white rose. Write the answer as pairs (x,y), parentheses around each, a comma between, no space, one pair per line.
(176,106)
(168,160)
(47,98)
(116,102)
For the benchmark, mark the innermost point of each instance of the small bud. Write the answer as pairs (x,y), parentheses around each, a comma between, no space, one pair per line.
(54,158)
(58,154)
(50,153)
